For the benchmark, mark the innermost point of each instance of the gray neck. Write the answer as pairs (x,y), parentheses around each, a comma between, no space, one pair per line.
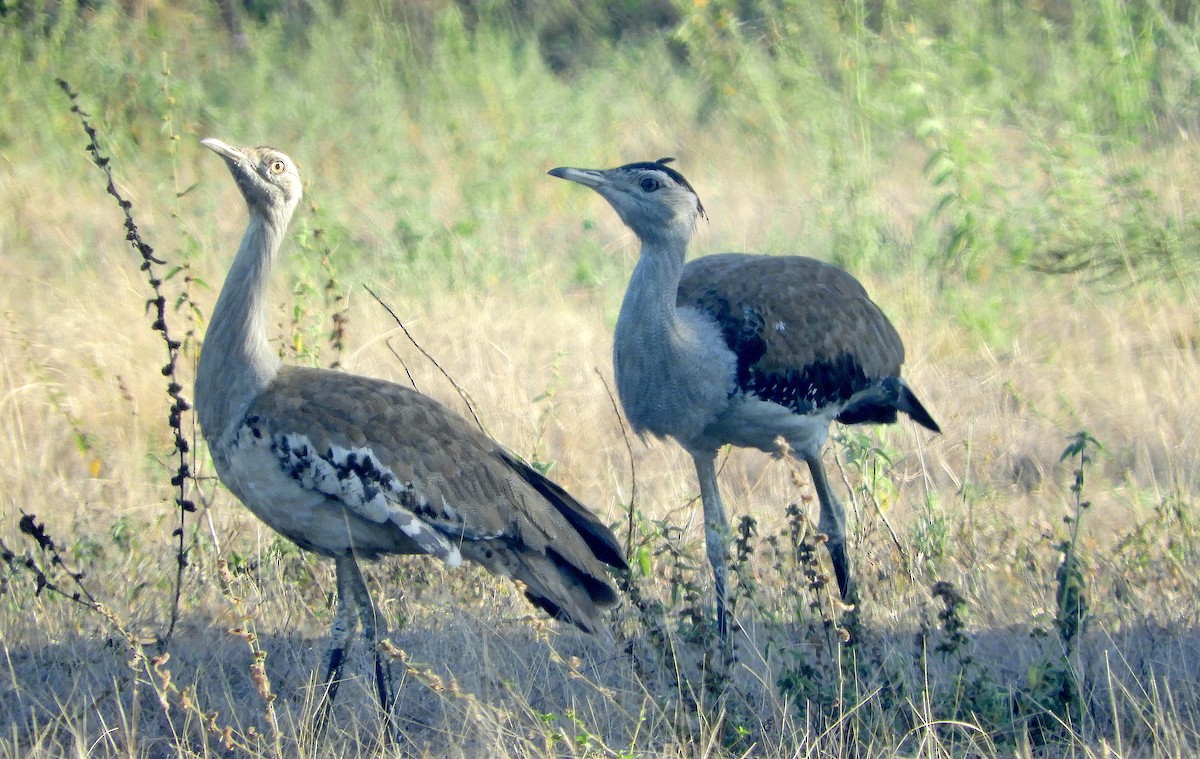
(236,362)
(648,313)
(670,364)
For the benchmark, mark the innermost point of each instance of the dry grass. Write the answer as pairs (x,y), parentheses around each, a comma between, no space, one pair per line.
(512,281)
(1123,367)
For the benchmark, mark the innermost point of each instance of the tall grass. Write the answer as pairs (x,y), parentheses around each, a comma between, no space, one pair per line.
(1013,182)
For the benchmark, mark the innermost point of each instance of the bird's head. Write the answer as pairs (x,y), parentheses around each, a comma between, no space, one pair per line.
(653,200)
(268,179)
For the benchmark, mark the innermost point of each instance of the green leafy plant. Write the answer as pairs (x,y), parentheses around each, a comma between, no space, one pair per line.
(1054,698)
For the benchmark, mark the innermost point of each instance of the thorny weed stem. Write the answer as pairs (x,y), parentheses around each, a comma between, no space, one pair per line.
(154,668)
(42,572)
(157,306)
(29,525)
(158,674)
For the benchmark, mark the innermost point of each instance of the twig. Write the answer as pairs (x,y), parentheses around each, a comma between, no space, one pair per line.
(396,354)
(632,469)
(461,393)
(157,306)
(30,526)
(904,557)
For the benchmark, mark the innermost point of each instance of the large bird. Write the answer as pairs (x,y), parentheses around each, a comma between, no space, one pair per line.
(353,467)
(743,349)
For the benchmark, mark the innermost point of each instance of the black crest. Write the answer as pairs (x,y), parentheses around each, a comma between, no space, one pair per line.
(661,165)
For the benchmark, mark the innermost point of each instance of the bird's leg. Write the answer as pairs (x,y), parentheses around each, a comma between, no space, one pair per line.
(343,629)
(375,629)
(716,541)
(832,524)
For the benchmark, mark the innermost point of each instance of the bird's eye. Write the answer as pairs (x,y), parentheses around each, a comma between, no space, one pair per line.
(650,184)
(277,166)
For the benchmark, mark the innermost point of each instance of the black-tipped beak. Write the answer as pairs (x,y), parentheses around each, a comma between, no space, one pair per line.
(586,177)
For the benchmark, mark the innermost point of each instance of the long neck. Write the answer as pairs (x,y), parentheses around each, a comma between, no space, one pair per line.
(648,310)
(654,347)
(236,362)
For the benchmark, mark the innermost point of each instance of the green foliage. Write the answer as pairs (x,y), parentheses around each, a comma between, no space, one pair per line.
(959,207)
(1053,700)
(972,692)
(316,332)
(1020,116)
(813,672)
(866,454)
(1071,591)
(932,535)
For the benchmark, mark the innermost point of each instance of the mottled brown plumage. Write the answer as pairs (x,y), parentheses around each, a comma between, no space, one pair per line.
(350,466)
(824,312)
(494,507)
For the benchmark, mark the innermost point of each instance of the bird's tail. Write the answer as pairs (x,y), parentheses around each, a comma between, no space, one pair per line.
(595,533)
(910,405)
(550,582)
(554,585)
(879,403)
(561,555)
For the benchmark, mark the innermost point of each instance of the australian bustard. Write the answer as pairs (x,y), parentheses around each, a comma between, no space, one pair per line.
(743,349)
(349,466)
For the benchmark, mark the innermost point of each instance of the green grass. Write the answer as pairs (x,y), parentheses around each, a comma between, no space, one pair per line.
(1013,182)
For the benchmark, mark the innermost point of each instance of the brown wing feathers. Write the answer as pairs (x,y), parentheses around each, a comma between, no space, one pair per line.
(501,513)
(598,536)
(805,333)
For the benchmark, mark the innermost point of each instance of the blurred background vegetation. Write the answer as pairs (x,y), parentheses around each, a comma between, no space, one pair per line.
(969,137)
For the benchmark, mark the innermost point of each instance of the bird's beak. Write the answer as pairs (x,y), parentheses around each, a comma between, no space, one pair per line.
(226,151)
(586,177)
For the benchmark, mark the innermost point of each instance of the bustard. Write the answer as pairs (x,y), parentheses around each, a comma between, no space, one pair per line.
(349,466)
(743,349)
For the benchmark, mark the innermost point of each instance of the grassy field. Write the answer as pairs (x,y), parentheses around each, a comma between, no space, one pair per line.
(1016,186)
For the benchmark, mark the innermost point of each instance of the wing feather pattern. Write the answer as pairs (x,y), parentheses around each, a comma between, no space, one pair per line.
(387,454)
(805,333)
